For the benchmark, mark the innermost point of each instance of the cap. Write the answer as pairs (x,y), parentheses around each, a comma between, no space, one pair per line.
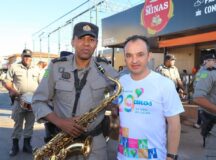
(85,28)
(170,57)
(208,54)
(27,52)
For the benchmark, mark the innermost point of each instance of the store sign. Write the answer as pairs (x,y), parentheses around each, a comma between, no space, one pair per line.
(159,18)
(204,7)
(156,14)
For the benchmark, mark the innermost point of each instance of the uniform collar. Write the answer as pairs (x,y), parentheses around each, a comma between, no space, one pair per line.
(168,67)
(22,66)
(74,66)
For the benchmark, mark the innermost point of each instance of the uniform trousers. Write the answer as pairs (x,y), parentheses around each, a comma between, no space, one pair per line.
(20,115)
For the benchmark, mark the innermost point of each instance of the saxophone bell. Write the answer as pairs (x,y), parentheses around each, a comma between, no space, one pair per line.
(81,147)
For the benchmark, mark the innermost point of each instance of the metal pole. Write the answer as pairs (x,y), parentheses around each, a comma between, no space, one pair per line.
(48,43)
(113,56)
(72,27)
(48,47)
(165,52)
(40,44)
(33,45)
(59,40)
(96,15)
(90,15)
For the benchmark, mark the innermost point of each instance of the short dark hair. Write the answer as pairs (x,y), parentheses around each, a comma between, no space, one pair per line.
(136,37)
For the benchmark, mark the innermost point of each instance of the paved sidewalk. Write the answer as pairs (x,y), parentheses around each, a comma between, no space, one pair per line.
(190,145)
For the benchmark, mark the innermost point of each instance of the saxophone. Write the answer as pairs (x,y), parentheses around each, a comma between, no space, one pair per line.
(63,145)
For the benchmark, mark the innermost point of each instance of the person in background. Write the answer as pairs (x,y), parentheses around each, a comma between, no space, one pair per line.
(42,67)
(207,63)
(148,101)
(168,69)
(22,78)
(75,85)
(124,71)
(120,68)
(205,92)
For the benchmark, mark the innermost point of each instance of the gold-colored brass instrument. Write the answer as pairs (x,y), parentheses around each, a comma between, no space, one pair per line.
(63,144)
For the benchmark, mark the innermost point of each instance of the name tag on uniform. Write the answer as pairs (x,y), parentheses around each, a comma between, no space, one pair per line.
(66,75)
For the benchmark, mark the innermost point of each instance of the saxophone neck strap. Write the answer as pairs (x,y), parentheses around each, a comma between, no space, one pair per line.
(79,84)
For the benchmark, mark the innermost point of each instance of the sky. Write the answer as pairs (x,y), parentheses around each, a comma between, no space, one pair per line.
(21,20)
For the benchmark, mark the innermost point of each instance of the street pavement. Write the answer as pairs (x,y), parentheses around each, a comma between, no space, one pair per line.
(190,144)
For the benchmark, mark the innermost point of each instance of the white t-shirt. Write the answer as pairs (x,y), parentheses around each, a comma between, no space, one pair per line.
(143,107)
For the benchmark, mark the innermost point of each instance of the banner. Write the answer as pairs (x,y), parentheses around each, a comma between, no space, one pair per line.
(156,18)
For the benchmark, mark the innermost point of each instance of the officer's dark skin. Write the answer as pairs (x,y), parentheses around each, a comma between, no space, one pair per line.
(84,48)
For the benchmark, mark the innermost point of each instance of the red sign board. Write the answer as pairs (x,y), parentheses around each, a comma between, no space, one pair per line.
(156,14)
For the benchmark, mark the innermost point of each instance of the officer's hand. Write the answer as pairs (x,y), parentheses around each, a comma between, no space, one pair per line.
(115,111)
(70,126)
(182,93)
(14,93)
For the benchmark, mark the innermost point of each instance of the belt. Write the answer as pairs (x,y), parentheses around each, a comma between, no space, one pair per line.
(96,131)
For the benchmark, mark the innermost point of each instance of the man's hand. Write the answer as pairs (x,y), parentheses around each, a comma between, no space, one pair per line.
(182,93)
(70,126)
(14,93)
(114,111)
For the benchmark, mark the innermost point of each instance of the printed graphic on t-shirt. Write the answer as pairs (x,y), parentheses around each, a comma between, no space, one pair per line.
(134,101)
(135,148)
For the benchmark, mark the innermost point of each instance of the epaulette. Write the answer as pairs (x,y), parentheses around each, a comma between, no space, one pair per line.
(61,59)
(102,59)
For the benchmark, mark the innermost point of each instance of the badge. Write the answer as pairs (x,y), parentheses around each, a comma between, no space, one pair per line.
(87,28)
(61,69)
(66,75)
(46,73)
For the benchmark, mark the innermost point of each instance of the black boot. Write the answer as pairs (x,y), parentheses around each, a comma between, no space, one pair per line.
(27,145)
(15,148)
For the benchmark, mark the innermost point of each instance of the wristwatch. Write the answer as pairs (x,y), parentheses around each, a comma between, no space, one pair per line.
(173,156)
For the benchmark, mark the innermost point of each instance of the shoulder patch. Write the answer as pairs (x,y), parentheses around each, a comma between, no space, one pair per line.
(102,59)
(46,73)
(61,59)
(204,75)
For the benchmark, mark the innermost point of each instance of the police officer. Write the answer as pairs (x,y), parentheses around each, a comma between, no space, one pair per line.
(20,79)
(205,90)
(75,85)
(168,69)
(51,129)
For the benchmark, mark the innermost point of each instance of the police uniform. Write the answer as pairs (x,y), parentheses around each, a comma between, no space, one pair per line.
(170,72)
(58,85)
(24,80)
(205,86)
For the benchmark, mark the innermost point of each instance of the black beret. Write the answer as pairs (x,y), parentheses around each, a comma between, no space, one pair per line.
(85,28)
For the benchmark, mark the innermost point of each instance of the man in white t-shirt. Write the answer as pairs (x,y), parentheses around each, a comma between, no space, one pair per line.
(147,102)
